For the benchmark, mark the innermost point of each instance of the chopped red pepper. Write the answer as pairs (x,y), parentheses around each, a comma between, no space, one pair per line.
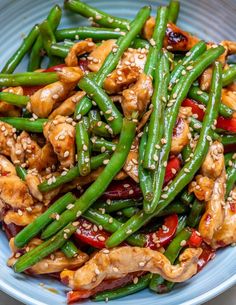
(173,163)
(228,124)
(195,239)
(74,296)
(164,235)
(90,234)
(207,254)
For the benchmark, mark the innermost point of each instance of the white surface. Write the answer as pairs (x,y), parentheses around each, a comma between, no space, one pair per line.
(226,298)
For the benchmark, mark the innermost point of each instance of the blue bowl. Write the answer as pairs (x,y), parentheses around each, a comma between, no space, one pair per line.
(209,19)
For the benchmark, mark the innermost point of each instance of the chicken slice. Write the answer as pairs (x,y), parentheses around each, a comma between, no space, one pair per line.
(185,112)
(6,167)
(134,58)
(175,38)
(24,217)
(43,101)
(181,136)
(78,49)
(67,108)
(120,79)
(7,109)
(214,162)
(123,260)
(7,140)
(61,134)
(131,163)
(144,120)
(202,187)
(226,234)
(57,261)
(213,217)
(229,98)
(99,54)
(137,97)
(14,192)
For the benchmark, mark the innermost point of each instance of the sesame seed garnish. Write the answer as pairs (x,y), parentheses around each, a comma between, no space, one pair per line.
(115,269)
(70,206)
(155,157)
(152,167)
(141,264)
(66,154)
(97,271)
(183,243)
(157,146)
(189,68)
(188,53)
(105,162)
(78,214)
(131,192)
(129,232)
(165,164)
(164,196)
(183,72)
(186,170)
(163,141)
(20,213)
(106,251)
(101,238)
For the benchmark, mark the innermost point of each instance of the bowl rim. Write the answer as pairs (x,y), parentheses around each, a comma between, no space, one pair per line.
(22,297)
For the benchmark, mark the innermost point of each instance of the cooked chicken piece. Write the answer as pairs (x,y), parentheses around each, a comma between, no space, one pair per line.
(229,98)
(100,53)
(144,120)
(81,181)
(57,261)
(124,260)
(133,58)
(230,46)
(14,192)
(213,217)
(226,235)
(175,38)
(61,134)
(137,97)
(43,101)
(131,163)
(185,112)
(7,139)
(120,79)
(67,108)
(202,187)
(7,109)
(214,162)
(25,217)
(6,167)
(78,49)
(181,136)
(121,175)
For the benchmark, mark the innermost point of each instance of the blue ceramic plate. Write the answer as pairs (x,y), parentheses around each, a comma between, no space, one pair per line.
(210,20)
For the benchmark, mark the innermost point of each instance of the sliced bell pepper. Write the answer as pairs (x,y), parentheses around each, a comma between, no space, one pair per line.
(173,163)
(195,239)
(207,254)
(195,108)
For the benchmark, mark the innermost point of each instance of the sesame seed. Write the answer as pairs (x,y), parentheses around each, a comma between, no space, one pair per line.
(110,20)
(55,96)
(101,238)
(65,236)
(111,118)
(183,243)
(85,147)
(183,72)
(108,201)
(163,141)
(66,154)
(188,54)
(57,217)
(129,232)
(105,162)
(164,196)
(135,280)
(155,157)
(78,214)
(153,167)
(209,138)
(142,264)
(117,30)
(152,42)
(106,251)
(189,68)
(165,164)
(97,271)
(173,170)
(110,220)
(115,269)
(20,213)
(131,192)
(70,206)
(186,170)
(157,146)
(75,223)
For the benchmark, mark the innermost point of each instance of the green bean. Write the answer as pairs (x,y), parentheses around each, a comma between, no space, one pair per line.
(21,172)
(96,161)
(182,222)
(197,50)
(111,224)
(116,205)
(228,140)
(47,36)
(14,99)
(25,124)
(228,157)
(104,102)
(186,152)
(145,178)
(53,18)
(16,58)
(157,41)
(173,11)
(195,213)
(231,176)
(165,287)
(59,50)
(113,58)
(229,76)
(97,126)
(100,144)
(98,16)
(155,128)
(140,43)
(69,249)
(142,283)
(95,190)
(186,174)
(186,197)
(35,227)
(87,31)
(83,107)
(83,149)
(174,208)
(202,97)
(129,212)
(27,79)
(172,252)
(43,250)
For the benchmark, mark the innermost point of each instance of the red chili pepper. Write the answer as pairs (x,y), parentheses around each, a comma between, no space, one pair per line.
(228,124)
(173,163)
(90,234)
(164,235)
(195,239)
(207,254)
(74,296)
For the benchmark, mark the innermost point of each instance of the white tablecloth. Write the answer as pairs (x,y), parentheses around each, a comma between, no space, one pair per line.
(227,298)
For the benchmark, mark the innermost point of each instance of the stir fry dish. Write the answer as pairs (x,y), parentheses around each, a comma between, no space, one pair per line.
(118,160)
